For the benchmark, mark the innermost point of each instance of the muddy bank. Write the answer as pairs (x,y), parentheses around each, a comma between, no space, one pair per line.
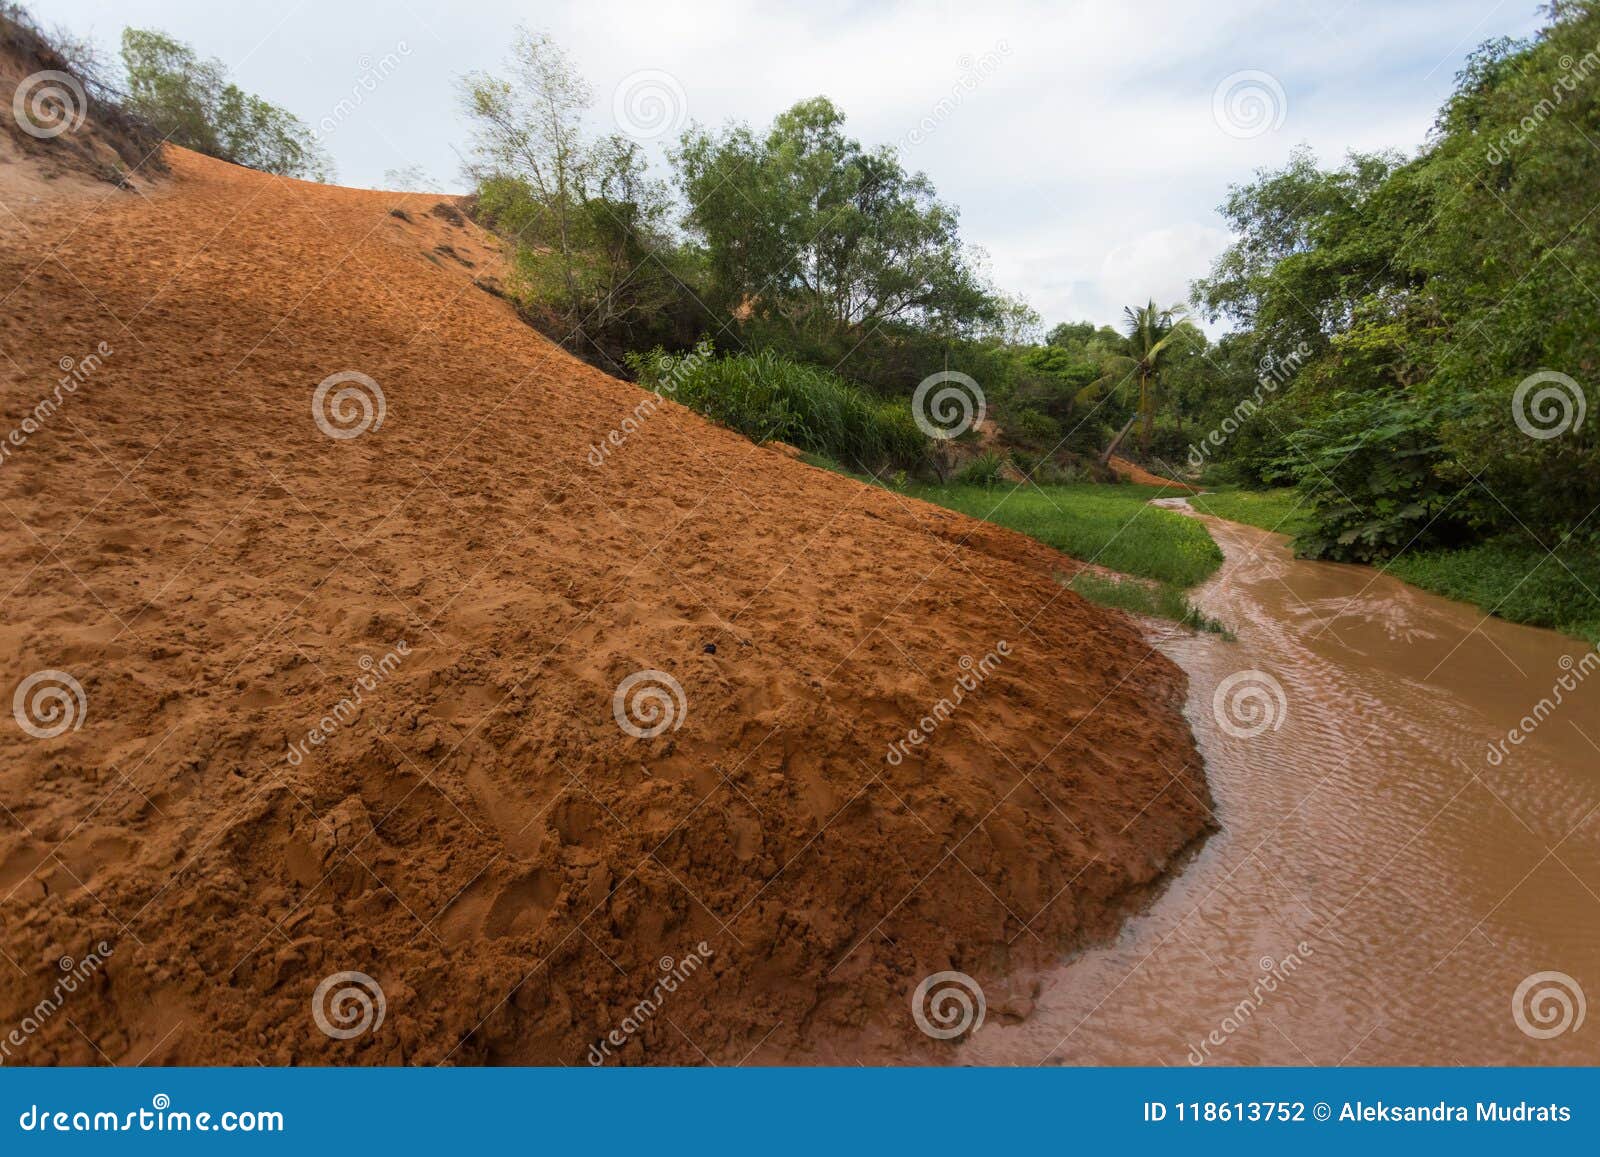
(396,730)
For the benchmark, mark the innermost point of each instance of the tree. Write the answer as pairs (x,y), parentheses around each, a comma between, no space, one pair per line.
(805,224)
(530,129)
(191,102)
(1155,336)
(589,224)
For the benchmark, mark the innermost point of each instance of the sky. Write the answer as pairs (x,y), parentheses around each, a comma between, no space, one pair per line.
(1086,144)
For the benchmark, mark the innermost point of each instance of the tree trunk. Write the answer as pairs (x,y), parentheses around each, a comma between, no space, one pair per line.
(1117,441)
(1147,413)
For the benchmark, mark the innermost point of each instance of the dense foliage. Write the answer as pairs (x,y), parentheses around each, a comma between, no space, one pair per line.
(770,398)
(191,102)
(1421,294)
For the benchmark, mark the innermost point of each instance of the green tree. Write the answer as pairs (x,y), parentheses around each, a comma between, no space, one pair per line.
(806,225)
(191,103)
(1155,338)
(593,252)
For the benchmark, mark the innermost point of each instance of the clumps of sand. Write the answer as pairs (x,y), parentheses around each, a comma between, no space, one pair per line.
(474,861)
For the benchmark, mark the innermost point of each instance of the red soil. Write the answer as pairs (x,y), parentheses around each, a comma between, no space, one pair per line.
(1133,472)
(481,837)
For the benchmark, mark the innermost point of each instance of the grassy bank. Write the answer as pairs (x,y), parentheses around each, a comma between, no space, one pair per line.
(1162,552)
(1113,526)
(1277,510)
(1520,582)
(1516,581)
(1145,597)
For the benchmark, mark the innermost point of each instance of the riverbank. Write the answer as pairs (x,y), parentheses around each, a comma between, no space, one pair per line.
(1517,580)
(1395,880)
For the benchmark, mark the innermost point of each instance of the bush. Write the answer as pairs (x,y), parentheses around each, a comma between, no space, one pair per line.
(769,398)
(1035,429)
(984,470)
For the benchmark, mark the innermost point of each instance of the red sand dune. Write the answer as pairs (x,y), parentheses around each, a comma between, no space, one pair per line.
(479,836)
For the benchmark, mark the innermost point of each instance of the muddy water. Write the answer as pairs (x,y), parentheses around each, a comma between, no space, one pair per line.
(1384,879)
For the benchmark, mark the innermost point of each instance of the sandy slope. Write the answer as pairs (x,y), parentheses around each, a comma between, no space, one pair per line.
(481,837)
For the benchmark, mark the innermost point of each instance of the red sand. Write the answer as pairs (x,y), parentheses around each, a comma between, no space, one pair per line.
(1133,472)
(481,837)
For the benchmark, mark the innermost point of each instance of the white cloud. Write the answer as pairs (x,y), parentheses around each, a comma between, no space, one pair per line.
(1088,164)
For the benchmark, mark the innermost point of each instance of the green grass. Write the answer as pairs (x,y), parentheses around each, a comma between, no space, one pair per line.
(1510,580)
(1278,510)
(1159,600)
(1113,526)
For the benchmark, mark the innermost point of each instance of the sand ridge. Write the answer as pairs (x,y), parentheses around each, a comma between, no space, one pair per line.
(479,836)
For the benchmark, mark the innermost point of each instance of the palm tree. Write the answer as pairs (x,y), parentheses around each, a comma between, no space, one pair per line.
(1153,336)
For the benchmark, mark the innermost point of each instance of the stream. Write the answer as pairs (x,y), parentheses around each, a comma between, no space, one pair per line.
(1396,880)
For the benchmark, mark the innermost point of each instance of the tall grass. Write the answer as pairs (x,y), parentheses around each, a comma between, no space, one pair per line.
(770,398)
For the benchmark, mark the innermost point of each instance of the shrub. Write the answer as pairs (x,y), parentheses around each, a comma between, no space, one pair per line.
(769,398)
(984,470)
(1035,428)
